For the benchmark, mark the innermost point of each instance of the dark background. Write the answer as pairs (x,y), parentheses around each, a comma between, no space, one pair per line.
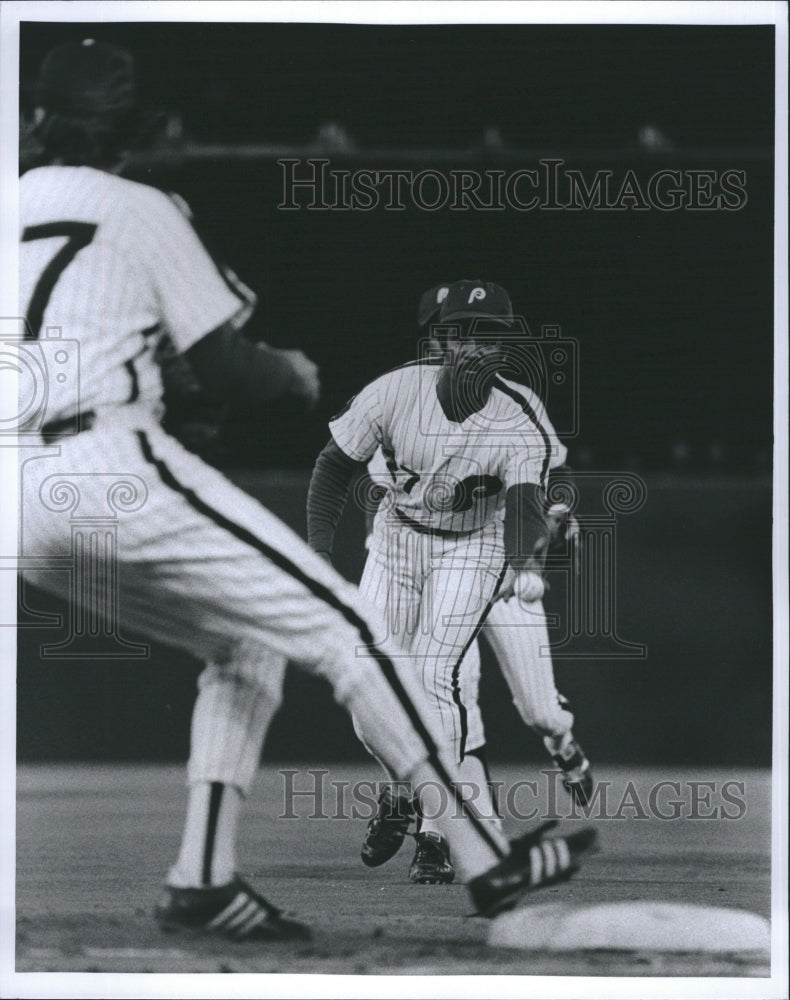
(672,313)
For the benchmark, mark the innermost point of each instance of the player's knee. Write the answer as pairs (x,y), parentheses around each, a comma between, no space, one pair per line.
(343,664)
(261,671)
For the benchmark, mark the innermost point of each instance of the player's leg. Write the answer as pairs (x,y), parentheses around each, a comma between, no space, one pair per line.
(262,583)
(519,639)
(207,568)
(389,581)
(456,597)
(475,738)
(157,598)
(235,704)
(269,585)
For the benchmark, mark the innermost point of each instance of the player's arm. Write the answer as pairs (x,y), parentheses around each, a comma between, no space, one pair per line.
(526,531)
(229,365)
(330,482)
(356,434)
(560,485)
(526,537)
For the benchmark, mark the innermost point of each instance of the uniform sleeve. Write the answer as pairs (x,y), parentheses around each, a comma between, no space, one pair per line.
(193,295)
(533,447)
(559,452)
(526,460)
(531,451)
(357,429)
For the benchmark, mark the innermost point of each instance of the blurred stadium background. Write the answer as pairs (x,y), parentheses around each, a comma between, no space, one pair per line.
(672,312)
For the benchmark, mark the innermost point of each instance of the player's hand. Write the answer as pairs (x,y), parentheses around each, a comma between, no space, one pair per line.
(506,588)
(306,382)
(564,535)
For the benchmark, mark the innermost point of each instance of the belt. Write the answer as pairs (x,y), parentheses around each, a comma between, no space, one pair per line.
(68,426)
(423,529)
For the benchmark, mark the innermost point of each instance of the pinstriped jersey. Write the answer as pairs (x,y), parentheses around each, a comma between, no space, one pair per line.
(441,473)
(114,265)
(380,474)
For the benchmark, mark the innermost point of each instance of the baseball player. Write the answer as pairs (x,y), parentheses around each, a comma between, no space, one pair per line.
(519,639)
(200,564)
(517,632)
(462,447)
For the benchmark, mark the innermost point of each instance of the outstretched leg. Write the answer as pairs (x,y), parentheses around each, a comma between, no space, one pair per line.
(519,639)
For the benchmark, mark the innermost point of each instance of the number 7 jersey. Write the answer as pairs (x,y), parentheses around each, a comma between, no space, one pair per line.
(112,265)
(439,473)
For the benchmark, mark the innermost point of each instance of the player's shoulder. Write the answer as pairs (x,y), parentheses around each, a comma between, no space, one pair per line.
(521,409)
(165,204)
(413,371)
(404,385)
(160,218)
(391,387)
(89,187)
(410,373)
(518,395)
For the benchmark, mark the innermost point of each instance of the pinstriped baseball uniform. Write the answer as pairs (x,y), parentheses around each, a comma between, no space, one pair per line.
(436,553)
(106,237)
(200,564)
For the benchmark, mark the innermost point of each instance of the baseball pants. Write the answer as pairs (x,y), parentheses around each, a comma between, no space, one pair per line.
(434,593)
(519,639)
(203,566)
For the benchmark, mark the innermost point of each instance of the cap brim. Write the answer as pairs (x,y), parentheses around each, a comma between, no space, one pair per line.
(483,317)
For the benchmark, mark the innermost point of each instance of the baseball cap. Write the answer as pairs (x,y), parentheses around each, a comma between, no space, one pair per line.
(431,302)
(87,79)
(476,299)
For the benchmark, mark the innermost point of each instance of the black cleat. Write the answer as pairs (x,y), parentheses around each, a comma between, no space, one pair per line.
(232,911)
(387,829)
(431,864)
(533,862)
(577,778)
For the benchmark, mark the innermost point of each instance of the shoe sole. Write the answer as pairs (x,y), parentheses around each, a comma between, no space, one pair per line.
(432,879)
(274,937)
